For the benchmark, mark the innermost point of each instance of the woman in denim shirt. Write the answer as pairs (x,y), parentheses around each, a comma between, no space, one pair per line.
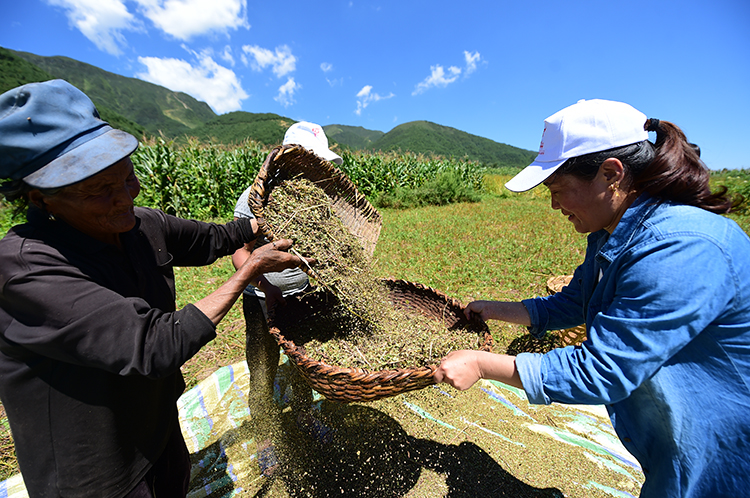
(664,292)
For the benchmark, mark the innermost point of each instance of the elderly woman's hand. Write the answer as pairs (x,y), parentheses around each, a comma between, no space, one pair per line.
(269,258)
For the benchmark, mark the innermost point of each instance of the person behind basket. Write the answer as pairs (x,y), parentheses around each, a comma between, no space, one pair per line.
(664,292)
(268,291)
(91,342)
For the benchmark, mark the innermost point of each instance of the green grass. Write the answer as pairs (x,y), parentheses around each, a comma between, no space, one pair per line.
(500,248)
(504,247)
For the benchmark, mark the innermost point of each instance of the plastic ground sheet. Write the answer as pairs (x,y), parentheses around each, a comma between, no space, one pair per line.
(436,442)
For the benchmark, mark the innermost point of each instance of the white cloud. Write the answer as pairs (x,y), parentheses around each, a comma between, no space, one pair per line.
(438,77)
(332,82)
(327,67)
(184,19)
(207,80)
(101,21)
(281,59)
(286,92)
(226,56)
(365,97)
(471,61)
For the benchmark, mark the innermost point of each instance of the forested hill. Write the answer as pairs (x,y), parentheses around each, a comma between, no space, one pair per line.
(145,109)
(157,109)
(424,136)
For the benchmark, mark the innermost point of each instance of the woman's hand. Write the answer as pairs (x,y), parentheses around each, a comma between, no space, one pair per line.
(484,309)
(462,369)
(513,312)
(459,369)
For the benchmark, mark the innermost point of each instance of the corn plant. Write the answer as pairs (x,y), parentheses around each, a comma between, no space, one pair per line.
(738,183)
(203,181)
(383,173)
(195,181)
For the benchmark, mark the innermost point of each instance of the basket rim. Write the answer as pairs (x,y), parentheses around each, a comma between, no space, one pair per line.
(337,186)
(422,374)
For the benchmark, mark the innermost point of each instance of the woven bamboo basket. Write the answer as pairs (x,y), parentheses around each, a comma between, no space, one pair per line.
(355,384)
(362,220)
(294,161)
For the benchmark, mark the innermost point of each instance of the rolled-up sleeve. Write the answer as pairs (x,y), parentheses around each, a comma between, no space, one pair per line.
(192,242)
(558,311)
(646,309)
(529,366)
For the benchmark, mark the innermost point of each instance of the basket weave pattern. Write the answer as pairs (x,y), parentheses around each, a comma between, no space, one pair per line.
(356,384)
(362,220)
(294,161)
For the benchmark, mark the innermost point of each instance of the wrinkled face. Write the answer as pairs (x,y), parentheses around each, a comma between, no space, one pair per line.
(100,206)
(586,204)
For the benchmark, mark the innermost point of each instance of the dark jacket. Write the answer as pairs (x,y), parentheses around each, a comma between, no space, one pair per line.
(91,346)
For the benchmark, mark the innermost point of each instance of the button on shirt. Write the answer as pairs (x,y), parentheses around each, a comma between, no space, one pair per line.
(668,348)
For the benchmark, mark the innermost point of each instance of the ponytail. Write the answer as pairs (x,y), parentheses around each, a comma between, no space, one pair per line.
(677,173)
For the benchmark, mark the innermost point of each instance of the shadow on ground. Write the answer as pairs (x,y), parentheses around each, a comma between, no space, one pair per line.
(369,455)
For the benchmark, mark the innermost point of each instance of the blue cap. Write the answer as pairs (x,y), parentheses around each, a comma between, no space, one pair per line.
(51,136)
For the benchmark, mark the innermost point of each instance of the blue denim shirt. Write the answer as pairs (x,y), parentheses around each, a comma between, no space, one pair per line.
(666,303)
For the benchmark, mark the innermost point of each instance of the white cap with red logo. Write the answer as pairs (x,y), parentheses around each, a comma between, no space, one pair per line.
(582,128)
(311,136)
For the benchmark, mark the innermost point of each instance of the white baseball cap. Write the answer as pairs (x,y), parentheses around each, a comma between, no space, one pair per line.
(311,136)
(582,128)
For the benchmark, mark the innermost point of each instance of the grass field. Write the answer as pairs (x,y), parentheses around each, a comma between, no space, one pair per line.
(504,247)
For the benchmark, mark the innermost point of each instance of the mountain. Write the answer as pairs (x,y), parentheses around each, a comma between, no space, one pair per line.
(15,71)
(353,137)
(145,109)
(157,109)
(237,127)
(425,137)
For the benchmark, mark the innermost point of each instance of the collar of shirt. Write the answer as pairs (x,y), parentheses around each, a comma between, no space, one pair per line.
(611,246)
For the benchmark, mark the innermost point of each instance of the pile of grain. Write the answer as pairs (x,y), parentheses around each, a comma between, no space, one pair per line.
(360,328)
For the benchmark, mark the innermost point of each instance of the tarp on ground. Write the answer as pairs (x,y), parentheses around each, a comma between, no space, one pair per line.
(435,442)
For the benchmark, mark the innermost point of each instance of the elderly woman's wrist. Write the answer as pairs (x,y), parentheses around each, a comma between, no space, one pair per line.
(247,228)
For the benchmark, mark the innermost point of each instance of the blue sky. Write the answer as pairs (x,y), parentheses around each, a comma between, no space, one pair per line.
(491,68)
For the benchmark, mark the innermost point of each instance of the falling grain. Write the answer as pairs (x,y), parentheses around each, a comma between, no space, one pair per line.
(361,328)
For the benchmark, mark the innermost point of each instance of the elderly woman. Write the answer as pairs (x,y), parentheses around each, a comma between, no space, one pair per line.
(664,291)
(90,341)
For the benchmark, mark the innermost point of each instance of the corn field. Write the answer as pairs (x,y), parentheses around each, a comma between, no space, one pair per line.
(738,182)
(195,181)
(203,182)
(382,173)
